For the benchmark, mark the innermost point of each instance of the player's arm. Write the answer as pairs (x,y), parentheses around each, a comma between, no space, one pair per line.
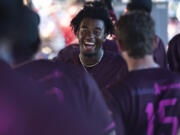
(66,54)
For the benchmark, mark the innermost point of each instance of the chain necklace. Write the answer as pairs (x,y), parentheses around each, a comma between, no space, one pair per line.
(84,65)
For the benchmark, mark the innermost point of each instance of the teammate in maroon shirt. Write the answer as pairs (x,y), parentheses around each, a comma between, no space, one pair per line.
(173,54)
(61,89)
(19,102)
(147,100)
(91,26)
(159,52)
(26,110)
(69,85)
(60,84)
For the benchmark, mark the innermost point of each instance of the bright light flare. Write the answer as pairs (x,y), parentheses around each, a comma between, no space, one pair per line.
(66,19)
(46,50)
(47,29)
(41,3)
(178,12)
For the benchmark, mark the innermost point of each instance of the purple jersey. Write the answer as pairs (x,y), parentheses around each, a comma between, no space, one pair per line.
(4,66)
(148,102)
(111,45)
(111,68)
(173,54)
(18,102)
(69,86)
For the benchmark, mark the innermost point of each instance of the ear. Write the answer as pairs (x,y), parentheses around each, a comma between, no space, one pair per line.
(120,45)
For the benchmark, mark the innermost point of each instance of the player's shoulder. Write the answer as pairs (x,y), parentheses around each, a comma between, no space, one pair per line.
(69,54)
(46,67)
(173,76)
(35,65)
(111,43)
(174,40)
(114,56)
(71,47)
(4,66)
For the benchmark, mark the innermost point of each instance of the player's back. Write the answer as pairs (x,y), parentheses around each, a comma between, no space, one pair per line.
(70,87)
(148,102)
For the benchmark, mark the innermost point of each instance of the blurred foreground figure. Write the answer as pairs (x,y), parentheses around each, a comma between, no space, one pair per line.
(18,96)
(18,103)
(147,101)
(159,52)
(27,110)
(19,36)
(59,86)
(173,54)
(69,86)
(91,25)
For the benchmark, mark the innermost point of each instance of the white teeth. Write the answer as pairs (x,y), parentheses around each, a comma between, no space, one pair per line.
(89,43)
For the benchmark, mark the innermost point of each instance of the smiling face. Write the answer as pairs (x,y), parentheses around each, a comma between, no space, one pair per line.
(91,35)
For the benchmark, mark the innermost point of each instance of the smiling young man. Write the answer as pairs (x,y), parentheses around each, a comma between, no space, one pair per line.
(91,25)
(147,101)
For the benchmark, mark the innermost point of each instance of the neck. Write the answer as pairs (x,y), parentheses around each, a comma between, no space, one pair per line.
(141,63)
(91,60)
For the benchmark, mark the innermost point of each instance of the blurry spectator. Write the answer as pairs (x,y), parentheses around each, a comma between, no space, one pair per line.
(159,48)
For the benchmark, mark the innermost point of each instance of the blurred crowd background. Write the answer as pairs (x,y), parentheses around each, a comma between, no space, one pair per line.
(55,15)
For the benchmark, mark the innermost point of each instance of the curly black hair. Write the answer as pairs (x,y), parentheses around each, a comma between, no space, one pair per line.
(95,10)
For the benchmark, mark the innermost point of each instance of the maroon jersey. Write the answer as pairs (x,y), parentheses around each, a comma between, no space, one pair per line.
(111,68)
(111,45)
(4,65)
(69,86)
(148,102)
(173,54)
(18,102)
